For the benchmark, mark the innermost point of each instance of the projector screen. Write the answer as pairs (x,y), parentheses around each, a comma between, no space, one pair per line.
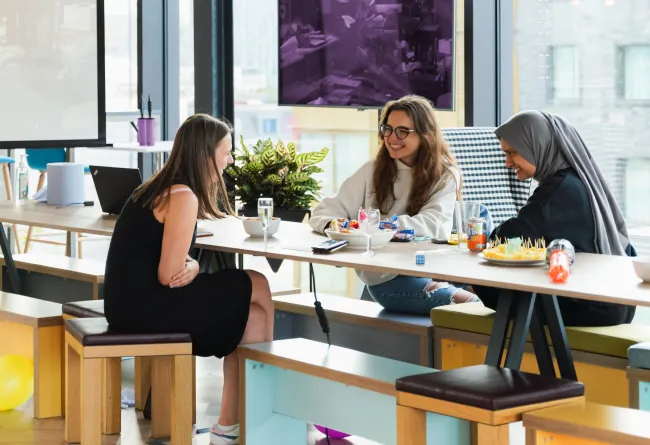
(52,73)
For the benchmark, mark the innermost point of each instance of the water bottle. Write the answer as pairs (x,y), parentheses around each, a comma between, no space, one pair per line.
(560,256)
(23,178)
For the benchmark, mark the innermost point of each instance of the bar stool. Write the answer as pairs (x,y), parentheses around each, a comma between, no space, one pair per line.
(91,347)
(489,398)
(5,161)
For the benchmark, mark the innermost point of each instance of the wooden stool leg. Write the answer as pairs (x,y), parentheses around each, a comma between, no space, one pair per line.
(180,411)
(142,381)
(531,437)
(72,395)
(10,197)
(47,371)
(111,395)
(91,397)
(39,186)
(490,435)
(411,426)
(161,381)
(193,390)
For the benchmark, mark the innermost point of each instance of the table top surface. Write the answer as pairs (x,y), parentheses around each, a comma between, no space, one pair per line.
(593,277)
(159,147)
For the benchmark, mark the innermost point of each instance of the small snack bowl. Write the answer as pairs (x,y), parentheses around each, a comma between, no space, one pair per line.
(253,227)
(642,268)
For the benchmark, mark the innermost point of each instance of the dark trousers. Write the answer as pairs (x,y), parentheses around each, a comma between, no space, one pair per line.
(575,312)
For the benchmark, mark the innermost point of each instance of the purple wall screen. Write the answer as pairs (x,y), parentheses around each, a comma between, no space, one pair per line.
(363,53)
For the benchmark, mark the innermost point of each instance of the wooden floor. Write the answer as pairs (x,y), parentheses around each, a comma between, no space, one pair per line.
(19,428)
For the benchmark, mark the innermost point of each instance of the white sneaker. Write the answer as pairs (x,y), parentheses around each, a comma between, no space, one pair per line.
(219,437)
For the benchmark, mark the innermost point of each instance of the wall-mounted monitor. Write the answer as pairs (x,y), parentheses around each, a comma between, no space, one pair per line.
(363,53)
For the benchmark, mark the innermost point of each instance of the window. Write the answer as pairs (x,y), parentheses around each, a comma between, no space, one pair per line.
(590,59)
(186,47)
(121,40)
(564,74)
(634,73)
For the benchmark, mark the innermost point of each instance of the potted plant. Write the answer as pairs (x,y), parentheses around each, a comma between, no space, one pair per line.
(275,171)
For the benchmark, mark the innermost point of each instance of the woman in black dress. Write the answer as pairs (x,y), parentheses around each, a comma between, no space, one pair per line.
(573,201)
(152,285)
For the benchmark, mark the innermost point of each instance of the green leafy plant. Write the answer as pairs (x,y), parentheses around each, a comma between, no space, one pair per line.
(275,171)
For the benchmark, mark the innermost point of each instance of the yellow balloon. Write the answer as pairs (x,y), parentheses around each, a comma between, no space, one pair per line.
(16,381)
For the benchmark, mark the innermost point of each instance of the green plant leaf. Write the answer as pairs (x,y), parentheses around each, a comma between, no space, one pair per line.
(273,179)
(313,157)
(298,177)
(291,147)
(243,146)
(312,169)
(269,157)
(254,167)
(280,149)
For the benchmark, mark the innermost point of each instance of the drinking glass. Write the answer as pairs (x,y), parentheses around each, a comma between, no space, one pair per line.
(464,210)
(369,224)
(265,214)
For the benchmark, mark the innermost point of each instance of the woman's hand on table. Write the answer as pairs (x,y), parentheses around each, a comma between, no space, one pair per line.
(187,275)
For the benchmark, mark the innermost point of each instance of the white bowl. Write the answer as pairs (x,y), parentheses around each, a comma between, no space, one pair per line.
(253,227)
(358,240)
(642,268)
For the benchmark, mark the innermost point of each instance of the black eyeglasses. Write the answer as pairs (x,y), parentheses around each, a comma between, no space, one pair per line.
(401,132)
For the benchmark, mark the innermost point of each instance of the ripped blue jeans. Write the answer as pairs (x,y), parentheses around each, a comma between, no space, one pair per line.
(406,295)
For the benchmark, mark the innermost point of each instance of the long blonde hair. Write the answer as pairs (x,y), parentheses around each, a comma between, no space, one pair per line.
(192,161)
(434,163)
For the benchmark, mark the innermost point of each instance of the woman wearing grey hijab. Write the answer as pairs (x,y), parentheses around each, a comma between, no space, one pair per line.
(573,201)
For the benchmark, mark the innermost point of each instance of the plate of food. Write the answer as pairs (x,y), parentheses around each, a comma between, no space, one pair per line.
(348,230)
(515,252)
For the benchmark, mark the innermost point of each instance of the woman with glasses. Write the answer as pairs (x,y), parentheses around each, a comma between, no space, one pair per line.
(415,176)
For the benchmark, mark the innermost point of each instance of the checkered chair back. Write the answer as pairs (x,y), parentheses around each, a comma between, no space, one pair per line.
(485,176)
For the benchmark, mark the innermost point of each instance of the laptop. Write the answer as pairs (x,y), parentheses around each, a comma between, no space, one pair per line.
(114,186)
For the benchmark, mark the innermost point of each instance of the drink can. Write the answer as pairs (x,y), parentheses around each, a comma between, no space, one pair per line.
(476,236)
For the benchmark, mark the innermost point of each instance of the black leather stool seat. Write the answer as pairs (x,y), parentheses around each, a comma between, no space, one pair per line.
(96,332)
(490,388)
(85,309)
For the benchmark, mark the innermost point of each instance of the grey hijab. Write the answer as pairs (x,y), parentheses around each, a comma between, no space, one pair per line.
(551,143)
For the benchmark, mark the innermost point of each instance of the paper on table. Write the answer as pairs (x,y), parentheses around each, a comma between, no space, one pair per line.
(41,195)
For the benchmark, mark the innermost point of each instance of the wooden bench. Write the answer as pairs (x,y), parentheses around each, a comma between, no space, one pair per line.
(587,424)
(92,346)
(33,329)
(287,383)
(638,375)
(461,333)
(360,325)
(489,397)
(58,278)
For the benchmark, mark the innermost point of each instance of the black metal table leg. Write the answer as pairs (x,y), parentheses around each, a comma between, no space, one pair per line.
(558,337)
(540,342)
(500,329)
(525,304)
(14,279)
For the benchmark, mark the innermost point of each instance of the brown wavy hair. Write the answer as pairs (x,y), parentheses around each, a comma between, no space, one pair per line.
(192,161)
(434,164)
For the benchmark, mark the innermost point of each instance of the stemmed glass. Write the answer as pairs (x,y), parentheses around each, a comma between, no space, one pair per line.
(369,224)
(265,214)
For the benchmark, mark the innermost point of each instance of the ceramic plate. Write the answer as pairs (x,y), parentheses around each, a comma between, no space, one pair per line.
(512,262)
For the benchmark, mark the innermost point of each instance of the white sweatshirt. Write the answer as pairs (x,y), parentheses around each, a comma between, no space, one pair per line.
(434,220)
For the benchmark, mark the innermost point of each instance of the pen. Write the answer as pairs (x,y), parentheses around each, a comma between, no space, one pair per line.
(149,106)
(140,107)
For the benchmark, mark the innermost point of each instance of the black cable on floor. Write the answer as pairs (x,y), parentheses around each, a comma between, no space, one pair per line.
(322,319)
